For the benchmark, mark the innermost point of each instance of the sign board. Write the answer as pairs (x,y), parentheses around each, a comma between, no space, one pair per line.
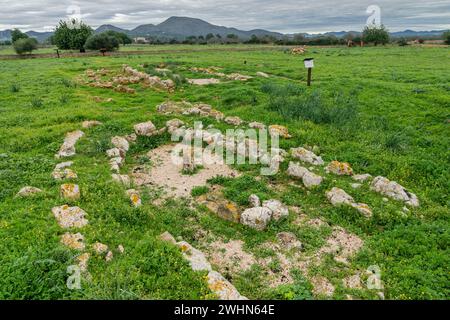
(309,63)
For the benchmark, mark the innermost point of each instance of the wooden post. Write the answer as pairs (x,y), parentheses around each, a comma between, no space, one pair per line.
(57,53)
(309,76)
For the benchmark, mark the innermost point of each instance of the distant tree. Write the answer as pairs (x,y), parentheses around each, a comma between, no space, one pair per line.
(72,35)
(16,34)
(209,36)
(254,39)
(121,36)
(25,45)
(102,41)
(299,38)
(402,42)
(446,36)
(6,43)
(232,38)
(376,34)
(191,40)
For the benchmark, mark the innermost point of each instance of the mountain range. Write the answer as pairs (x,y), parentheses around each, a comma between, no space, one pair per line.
(181,27)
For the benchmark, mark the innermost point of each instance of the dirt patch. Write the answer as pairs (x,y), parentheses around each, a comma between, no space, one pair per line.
(342,245)
(167,172)
(322,286)
(230,257)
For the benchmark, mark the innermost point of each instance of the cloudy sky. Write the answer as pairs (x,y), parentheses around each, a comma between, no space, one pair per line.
(286,16)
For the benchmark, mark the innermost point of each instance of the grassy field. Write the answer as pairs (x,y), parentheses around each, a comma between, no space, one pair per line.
(383,110)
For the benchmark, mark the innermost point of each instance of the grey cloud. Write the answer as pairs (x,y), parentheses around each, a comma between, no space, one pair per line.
(282,15)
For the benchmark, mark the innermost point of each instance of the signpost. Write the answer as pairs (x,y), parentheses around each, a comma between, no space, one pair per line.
(309,64)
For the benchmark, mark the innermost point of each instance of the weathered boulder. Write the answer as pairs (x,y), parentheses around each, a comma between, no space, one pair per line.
(61,171)
(279,130)
(256,218)
(223,289)
(28,192)
(99,248)
(257,125)
(339,168)
(167,237)
(115,152)
(235,121)
(73,240)
(120,143)
(196,258)
(70,217)
(309,179)
(305,155)
(68,147)
(338,197)
(254,201)
(363,208)
(70,191)
(394,190)
(361,177)
(147,129)
(278,209)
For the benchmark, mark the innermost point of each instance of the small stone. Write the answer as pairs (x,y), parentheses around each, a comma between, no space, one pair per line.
(115,152)
(257,125)
(262,74)
(309,179)
(356,185)
(70,191)
(361,177)
(121,249)
(83,260)
(109,256)
(223,289)
(131,137)
(134,197)
(256,218)
(279,130)
(147,129)
(90,124)
(254,201)
(174,123)
(68,147)
(305,155)
(278,209)
(167,237)
(73,241)
(338,197)
(235,121)
(70,217)
(28,192)
(99,247)
(339,168)
(121,143)
(363,208)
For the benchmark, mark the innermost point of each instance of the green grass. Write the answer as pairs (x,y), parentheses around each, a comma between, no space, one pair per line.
(396,102)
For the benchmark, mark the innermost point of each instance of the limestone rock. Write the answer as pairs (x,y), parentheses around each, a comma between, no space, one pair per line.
(305,155)
(90,123)
(339,168)
(167,237)
(203,82)
(28,192)
(394,190)
(99,248)
(257,125)
(121,143)
(361,177)
(70,191)
(363,208)
(256,218)
(196,258)
(309,178)
(73,240)
(64,174)
(134,197)
(109,256)
(235,121)
(338,197)
(70,217)
(147,129)
(278,209)
(68,147)
(356,185)
(254,201)
(222,287)
(83,260)
(121,249)
(262,74)
(279,130)
(115,152)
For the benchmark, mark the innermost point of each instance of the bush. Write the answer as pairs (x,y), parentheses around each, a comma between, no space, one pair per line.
(376,34)
(69,37)
(446,36)
(102,41)
(123,38)
(26,45)
(293,102)
(402,42)
(16,34)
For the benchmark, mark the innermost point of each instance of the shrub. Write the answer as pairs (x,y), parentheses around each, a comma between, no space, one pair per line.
(446,36)
(123,38)
(23,46)
(376,34)
(402,42)
(16,34)
(102,41)
(36,102)
(14,88)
